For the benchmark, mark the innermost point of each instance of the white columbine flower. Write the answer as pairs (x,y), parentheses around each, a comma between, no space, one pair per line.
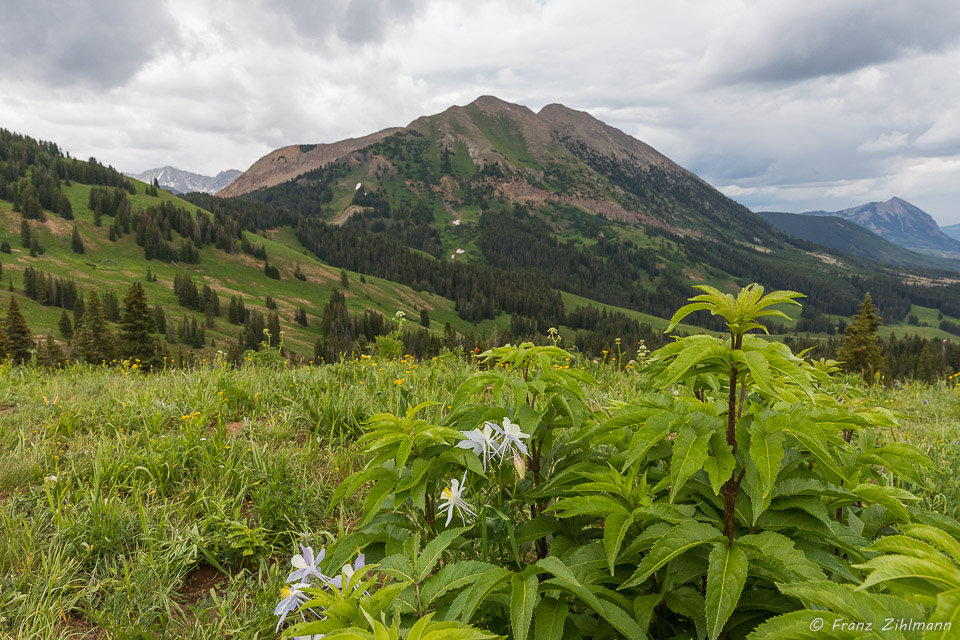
(512,436)
(452,498)
(292,598)
(306,565)
(482,442)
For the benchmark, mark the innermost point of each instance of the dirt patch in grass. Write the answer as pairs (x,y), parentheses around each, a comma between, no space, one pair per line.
(77,626)
(233,429)
(198,583)
(7,407)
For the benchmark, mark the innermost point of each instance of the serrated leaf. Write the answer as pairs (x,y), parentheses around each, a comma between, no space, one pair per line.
(946,616)
(690,451)
(720,464)
(486,583)
(452,577)
(615,528)
(766,454)
(678,540)
(432,551)
(523,599)
(725,579)
(804,625)
(888,497)
(549,618)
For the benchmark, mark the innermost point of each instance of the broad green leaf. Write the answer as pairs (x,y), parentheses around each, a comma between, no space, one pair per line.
(725,579)
(891,498)
(451,577)
(539,527)
(615,528)
(937,574)
(766,454)
(941,539)
(678,540)
(432,551)
(379,493)
(720,464)
(548,619)
(488,582)
(621,621)
(523,599)
(778,548)
(598,506)
(806,625)
(690,451)
(851,604)
(650,434)
(946,617)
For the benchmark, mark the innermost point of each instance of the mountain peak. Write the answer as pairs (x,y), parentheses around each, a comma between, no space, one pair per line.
(900,222)
(180,181)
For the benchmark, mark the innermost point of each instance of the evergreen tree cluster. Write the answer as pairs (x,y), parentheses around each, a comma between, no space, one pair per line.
(49,291)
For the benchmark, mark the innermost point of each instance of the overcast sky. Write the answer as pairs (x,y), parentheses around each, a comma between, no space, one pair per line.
(784,105)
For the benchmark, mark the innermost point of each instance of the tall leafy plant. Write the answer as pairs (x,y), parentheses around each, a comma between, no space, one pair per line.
(712,506)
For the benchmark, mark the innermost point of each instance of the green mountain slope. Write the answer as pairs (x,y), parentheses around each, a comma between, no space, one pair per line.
(566,200)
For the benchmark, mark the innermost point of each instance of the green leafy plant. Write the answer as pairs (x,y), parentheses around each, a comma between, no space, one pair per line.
(741,482)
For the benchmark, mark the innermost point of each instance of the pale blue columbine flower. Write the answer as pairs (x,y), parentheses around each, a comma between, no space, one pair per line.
(511,437)
(482,442)
(306,565)
(452,498)
(342,581)
(291,599)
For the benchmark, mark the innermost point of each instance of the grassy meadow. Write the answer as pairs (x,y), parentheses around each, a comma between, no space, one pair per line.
(167,505)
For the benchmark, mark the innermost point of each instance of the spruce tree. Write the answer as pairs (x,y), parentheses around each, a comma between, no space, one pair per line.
(136,324)
(344,279)
(19,339)
(94,342)
(424,319)
(76,242)
(860,352)
(25,233)
(50,354)
(66,327)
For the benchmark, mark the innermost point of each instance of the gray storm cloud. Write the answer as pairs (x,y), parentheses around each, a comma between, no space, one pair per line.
(101,43)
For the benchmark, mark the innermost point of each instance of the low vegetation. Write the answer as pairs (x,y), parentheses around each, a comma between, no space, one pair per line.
(517,492)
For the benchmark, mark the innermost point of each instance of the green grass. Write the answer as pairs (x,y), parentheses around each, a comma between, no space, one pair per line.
(167,505)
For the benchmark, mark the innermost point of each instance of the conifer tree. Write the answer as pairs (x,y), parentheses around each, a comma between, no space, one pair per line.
(344,279)
(50,354)
(76,242)
(18,337)
(424,318)
(860,351)
(94,341)
(66,327)
(25,233)
(136,324)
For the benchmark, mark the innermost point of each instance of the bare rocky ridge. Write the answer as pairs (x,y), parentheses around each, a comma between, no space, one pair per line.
(539,132)
(287,163)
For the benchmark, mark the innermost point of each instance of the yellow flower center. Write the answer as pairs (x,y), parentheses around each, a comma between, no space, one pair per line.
(285,592)
(447,493)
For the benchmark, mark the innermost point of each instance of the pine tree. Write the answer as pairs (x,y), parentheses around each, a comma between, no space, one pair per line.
(94,342)
(66,327)
(136,324)
(424,318)
(25,233)
(860,351)
(76,242)
(344,280)
(273,326)
(18,336)
(50,354)
(5,247)
(159,319)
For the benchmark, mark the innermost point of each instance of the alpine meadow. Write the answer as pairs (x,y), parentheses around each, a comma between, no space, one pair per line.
(495,374)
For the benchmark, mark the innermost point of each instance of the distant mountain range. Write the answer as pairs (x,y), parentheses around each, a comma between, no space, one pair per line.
(179,181)
(953,231)
(902,224)
(850,238)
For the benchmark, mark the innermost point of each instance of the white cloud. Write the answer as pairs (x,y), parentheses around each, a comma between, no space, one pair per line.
(789,104)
